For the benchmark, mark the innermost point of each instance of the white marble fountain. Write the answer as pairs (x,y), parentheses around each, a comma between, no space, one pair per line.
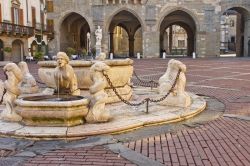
(80,102)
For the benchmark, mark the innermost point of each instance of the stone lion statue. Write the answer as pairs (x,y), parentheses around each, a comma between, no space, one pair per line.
(28,84)
(97,112)
(14,77)
(65,78)
(178,97)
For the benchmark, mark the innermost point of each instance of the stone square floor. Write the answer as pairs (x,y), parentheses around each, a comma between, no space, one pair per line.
(220,135)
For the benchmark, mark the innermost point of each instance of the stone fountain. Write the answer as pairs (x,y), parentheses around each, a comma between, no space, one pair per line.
(84,103)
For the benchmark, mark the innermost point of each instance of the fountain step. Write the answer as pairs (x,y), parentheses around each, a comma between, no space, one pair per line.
(124,118)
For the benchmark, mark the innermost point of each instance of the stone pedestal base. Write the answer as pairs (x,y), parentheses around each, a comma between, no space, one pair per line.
(179,100)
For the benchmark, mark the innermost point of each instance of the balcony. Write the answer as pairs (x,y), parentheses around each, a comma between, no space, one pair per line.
(12,29)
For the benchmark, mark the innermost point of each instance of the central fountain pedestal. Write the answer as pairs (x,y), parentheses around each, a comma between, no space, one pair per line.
(52,110)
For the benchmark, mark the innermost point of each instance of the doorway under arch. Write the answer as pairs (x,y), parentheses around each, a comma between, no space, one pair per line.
(183,26)
(34,48)
(129,25)
(1,50)
(73,32)
(17,51)
(233,31)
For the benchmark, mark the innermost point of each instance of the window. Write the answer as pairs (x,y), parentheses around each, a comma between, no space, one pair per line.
(231,23)
(50,6)
(16,16)
(50,25)
(33,9)
(233,39)
(181,43)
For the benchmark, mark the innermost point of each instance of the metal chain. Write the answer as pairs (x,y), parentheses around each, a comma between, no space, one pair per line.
(150,83)
(171,90)
(146,100)
(119,96)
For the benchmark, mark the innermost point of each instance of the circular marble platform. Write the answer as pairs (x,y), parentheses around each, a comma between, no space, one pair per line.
(125,118)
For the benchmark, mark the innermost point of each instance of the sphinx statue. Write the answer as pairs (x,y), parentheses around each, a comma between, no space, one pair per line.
(97,112)
(64,75)
(28,84)
(11,85)
(178,96)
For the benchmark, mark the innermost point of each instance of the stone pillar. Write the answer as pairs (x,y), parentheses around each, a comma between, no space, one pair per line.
(170,38)
(239,35)
(151,44)
(201,45)
(165,40)
(111,42)
(247,37)
(131,45)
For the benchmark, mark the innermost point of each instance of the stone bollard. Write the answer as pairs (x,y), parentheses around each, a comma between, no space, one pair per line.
(111,56)
(164,55)
(194,55)
(138,55)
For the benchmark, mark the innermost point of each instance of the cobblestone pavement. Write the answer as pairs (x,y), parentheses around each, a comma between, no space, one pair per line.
(212,138)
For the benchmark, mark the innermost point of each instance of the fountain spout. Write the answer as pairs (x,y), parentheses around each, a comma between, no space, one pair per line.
(64,75)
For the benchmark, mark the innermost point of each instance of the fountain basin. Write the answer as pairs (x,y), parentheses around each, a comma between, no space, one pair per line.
(52,110)
(120,72)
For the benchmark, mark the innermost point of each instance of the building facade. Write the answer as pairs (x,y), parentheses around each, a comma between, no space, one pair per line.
(23,29)
(201,20)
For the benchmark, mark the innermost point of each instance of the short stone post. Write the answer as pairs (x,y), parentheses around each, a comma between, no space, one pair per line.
(164,55)
(138,55)
(111,55)
(194,55)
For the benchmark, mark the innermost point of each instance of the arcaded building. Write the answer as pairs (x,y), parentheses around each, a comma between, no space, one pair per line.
(23,29)
(145,26)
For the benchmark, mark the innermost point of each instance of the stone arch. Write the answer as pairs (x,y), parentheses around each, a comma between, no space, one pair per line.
(1,50)
(17,50)
(184,20)
(67,13)
(111,16)
(72,32)
(133,22)
(242,20)
(168,10)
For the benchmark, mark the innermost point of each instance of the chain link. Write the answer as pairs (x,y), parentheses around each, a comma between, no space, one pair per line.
(146,100)
(150,83)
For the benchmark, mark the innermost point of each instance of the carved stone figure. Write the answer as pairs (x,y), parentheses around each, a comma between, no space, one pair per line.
(28,84)
(14,77)
(64,76)
(98,34)
(178,97)
(97,112)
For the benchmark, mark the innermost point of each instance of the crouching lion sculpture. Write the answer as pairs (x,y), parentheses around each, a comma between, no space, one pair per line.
(178,96)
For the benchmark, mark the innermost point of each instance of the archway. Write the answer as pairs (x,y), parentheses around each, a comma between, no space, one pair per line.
(178,28)
(17,51)
(1,50)
(73,32)
(121,42)
(233,23)
(34,48)
(129,24)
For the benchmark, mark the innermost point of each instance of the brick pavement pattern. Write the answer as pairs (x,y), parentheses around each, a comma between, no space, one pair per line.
(88,156)
(225,141)
(221,142)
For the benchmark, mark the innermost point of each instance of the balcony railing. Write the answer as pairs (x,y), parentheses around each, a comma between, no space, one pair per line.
(12,29)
